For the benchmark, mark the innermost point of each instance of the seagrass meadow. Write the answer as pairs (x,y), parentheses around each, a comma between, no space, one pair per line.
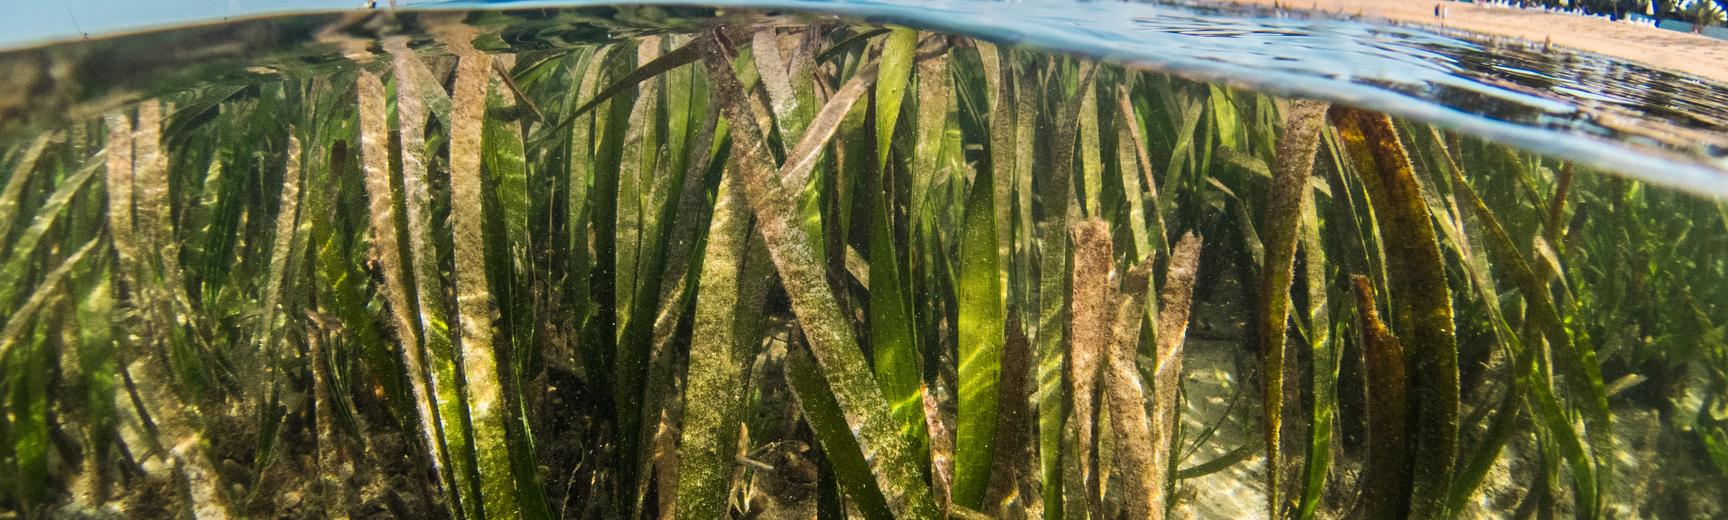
(486,266)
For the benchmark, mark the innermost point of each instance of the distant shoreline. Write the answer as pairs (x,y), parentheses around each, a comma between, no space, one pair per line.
(1674,51)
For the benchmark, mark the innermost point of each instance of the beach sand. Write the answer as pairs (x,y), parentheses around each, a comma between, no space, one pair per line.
(1659,48)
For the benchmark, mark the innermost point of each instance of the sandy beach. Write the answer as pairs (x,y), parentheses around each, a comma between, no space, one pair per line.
(1660,48)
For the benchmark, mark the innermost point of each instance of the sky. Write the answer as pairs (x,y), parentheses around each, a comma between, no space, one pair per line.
(28,22)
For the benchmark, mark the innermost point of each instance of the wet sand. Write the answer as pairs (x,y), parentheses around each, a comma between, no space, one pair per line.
(1659,48)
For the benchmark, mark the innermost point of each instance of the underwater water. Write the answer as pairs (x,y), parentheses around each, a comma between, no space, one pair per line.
(662,261)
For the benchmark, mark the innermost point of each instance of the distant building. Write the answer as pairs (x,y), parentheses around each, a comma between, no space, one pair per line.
(1714,31)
